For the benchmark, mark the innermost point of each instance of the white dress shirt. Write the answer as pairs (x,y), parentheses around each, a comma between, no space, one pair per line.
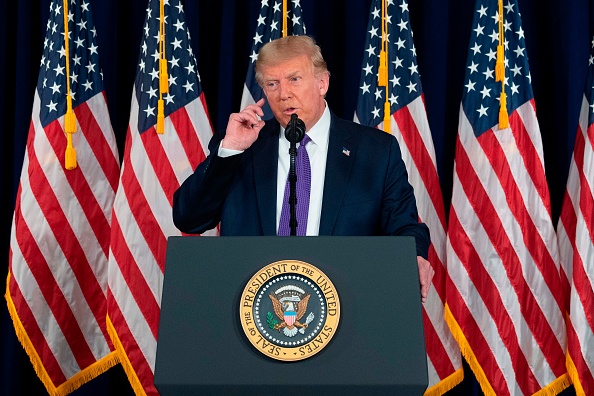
(317,150)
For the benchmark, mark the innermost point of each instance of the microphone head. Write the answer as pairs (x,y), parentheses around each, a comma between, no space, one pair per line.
(295,130)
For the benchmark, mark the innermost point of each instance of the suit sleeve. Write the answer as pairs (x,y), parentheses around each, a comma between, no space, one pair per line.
(198,202)
(399,208)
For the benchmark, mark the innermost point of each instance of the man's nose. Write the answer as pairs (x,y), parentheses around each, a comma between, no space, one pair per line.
(285,90)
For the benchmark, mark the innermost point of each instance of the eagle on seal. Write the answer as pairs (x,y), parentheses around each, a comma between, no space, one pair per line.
(290,315)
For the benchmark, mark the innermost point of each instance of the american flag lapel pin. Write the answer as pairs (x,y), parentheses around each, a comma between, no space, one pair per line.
(346,152)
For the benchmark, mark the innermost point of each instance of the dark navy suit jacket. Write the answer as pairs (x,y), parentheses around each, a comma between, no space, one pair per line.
(366,189)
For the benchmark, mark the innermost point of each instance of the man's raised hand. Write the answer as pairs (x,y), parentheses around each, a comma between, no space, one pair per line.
(243,127)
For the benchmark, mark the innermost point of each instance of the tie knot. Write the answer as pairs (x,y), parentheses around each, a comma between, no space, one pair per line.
(306,139)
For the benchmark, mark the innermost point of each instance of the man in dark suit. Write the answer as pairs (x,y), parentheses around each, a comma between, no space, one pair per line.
(359,183)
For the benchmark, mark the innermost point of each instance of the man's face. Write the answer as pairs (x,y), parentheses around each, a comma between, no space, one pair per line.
(292,87)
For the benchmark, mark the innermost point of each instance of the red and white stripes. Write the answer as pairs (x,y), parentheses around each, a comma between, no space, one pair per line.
(153,168)
(59,248)
(576,245)
(505,303)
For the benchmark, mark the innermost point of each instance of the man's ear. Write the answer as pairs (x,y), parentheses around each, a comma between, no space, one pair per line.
(324,82)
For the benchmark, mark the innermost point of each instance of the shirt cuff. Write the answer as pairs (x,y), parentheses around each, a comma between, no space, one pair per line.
(225,152)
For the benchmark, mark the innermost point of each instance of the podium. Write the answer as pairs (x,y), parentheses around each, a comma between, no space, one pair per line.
(378,347)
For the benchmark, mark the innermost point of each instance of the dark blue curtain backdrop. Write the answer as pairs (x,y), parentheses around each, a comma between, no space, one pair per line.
(558,38)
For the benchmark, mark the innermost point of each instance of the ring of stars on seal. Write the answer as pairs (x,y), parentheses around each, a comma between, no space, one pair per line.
(317,304)
(289,310)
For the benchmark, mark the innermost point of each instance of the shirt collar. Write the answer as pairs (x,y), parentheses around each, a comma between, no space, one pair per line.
(318,133)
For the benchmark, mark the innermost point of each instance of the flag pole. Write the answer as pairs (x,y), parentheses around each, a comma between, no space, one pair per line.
(163,77)
(285,28)
(69,117)
(383,67)
(500,72)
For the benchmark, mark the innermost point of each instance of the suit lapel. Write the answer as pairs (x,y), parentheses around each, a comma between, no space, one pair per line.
(265,163)
(341,152)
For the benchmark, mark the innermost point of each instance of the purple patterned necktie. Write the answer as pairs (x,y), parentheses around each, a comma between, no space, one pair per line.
(303,187)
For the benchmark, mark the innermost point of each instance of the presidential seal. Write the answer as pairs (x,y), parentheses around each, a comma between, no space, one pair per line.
(289,310)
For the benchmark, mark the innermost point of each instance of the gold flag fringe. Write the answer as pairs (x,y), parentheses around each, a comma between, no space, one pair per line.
(574,376)
(553,388)
(467,352)
(74,382)
(124,361)
(446,384)
(89,373)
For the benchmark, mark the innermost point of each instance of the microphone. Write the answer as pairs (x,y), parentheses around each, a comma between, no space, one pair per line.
(295,130)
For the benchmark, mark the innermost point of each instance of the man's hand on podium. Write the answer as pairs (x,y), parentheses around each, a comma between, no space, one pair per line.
(426,273)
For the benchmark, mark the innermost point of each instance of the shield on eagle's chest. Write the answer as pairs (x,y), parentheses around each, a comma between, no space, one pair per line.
(289,317)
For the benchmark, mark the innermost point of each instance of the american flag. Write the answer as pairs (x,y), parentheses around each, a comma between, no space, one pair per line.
(408,122)
(270,27)
(56,287)
(576,244)
(153,168)
(504,298)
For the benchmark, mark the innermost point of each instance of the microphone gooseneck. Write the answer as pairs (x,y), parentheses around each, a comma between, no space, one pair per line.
(294,132)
